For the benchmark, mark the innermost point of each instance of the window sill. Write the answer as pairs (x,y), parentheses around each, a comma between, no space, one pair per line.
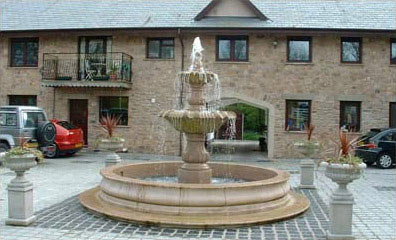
(392,65)
(231,62)
(296,132)
(352,64)
(160,59)
(299,63)
(23,67)
(124,126)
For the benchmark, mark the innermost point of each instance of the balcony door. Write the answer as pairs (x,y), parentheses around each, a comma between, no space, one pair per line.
(93,57)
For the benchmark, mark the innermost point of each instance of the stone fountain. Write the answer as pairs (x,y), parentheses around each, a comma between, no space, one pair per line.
(244,194)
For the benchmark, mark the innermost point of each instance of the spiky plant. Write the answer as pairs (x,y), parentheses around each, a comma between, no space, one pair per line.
(108,123)
(310,130)
(344,149)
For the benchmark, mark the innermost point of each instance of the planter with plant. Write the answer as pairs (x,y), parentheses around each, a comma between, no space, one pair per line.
(307,148)
(113,72)
(111,143)
(20,190)
(342,169)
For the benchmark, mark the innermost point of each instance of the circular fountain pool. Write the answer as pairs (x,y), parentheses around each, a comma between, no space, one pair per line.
(264,196)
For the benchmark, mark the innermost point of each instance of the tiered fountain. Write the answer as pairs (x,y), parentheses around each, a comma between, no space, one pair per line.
(242,195)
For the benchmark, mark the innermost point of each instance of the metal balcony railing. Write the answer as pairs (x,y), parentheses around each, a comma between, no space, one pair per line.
(114,66)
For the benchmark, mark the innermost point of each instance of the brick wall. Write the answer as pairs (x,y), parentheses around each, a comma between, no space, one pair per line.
(267,77)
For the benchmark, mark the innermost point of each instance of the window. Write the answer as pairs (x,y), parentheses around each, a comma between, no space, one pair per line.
(8,119)
(298,115)
(350,116)
(161,48)
(24,52)
(299,49)
(23,100)
(392,115)
(232,48)
(351,50)
(33,119)
(389,137)
(393,51)
(115,106)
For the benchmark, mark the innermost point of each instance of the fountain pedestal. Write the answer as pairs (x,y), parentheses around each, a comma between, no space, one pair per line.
(195,169)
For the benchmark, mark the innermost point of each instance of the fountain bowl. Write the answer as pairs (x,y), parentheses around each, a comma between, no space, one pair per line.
(265,196)
(197,122)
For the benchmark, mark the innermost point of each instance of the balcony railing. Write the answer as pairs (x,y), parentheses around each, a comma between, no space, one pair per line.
(114,67)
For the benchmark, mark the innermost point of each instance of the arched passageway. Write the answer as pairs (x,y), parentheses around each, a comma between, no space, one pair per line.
(233,98)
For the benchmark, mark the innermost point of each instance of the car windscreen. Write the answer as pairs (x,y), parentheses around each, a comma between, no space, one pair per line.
(67,125)
(8,119)
(366,137)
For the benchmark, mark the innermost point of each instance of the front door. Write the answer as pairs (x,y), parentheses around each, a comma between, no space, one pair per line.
(79,115)
(392,115)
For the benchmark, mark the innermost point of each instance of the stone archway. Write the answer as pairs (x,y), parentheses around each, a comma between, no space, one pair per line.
(232,98)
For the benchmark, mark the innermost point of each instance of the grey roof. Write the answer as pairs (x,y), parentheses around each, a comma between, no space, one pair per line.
(19,15)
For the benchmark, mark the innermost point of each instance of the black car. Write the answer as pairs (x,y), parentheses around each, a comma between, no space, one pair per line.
(378,146)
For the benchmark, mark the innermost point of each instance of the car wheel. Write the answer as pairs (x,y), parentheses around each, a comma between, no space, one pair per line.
(4,147)
(384,161)
(52,154)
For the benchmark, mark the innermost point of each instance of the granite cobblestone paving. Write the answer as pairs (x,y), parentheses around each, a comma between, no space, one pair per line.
(59,181)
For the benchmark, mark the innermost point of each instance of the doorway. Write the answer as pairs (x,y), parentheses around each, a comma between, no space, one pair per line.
(78,112)
(392,115)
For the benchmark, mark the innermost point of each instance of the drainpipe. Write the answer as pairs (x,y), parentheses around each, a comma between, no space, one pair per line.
(182,87)
(53,104)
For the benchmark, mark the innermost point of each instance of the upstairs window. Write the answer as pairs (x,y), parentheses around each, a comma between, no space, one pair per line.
(298,115)
(350,115)
(351,50)
(299,49)
(232,48)
(161,48)
(24,52)
(115,106)
(393,51)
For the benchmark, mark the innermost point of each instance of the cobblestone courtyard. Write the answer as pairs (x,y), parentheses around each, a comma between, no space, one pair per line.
(58,182)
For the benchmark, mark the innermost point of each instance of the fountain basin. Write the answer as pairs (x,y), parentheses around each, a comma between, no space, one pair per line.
(264,197)
(197,122)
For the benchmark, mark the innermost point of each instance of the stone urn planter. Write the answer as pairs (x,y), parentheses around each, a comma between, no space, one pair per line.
(20,190)
(307,148)
(307,165)
(341,201)
(112,145)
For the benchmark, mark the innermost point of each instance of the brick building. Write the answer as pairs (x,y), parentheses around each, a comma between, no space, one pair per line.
(329,63)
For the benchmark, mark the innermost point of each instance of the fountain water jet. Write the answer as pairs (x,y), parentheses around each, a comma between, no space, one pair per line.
(127,193)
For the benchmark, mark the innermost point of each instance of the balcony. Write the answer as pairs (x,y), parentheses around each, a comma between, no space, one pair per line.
(109,70)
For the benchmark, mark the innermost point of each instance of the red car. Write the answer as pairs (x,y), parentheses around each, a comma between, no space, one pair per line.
(69,139)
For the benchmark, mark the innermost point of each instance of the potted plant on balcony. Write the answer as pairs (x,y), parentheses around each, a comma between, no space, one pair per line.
(111,143)
(342,169)
(113,72)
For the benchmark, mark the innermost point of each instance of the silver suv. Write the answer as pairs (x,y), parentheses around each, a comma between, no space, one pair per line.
(25,124)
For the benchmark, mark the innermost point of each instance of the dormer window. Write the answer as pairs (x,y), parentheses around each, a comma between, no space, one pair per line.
(230,9)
